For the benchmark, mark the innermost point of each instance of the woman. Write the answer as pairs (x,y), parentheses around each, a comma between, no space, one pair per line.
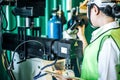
(102,56)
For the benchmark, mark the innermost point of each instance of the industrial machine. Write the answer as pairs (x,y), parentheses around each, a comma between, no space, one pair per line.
(43,48)
(33,47)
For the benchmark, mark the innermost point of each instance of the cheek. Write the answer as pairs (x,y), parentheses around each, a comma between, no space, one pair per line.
(93,20)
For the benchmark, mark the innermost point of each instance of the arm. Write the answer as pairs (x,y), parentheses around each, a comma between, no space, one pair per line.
(81,35)
(108,58)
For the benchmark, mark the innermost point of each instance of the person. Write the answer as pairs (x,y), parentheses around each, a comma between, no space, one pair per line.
(102,56)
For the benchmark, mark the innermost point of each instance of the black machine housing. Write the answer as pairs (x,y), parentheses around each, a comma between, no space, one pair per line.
(29,8)
(53,48)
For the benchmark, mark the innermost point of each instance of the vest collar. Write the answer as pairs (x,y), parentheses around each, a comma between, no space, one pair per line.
(103,29)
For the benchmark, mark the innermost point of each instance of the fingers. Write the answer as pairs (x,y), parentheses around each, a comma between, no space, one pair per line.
(79,27)
(59,77)
(58,72)
(81,31)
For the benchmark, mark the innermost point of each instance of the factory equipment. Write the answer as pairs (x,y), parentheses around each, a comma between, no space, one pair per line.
(44,48)
(29,8)
(54,26)
(61,48)
(29,47)
(76,20)
(2,15)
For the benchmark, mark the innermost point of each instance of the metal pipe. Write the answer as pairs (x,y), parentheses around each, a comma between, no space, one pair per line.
(65,11)
(46,16)
(69,7)
(54,4)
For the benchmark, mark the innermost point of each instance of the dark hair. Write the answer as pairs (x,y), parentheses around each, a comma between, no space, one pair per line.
(111,11)
(116,11)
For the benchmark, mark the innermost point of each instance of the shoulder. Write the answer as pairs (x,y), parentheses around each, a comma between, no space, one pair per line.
(109,50)
(110,46)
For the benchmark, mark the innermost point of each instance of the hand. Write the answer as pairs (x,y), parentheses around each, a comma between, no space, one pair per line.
(81,35)
(59,77)
(81,31)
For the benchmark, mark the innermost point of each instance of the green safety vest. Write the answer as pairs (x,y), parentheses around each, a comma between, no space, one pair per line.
(90,61)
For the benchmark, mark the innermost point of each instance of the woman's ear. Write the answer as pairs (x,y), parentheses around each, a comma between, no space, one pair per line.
(96,10)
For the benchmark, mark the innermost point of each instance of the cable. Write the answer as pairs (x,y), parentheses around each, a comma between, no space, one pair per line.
(78,65)
(5,63)
(5,28)
(39,74)
(11,63)
(5,19)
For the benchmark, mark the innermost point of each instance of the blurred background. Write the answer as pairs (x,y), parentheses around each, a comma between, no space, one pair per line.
(12,17)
